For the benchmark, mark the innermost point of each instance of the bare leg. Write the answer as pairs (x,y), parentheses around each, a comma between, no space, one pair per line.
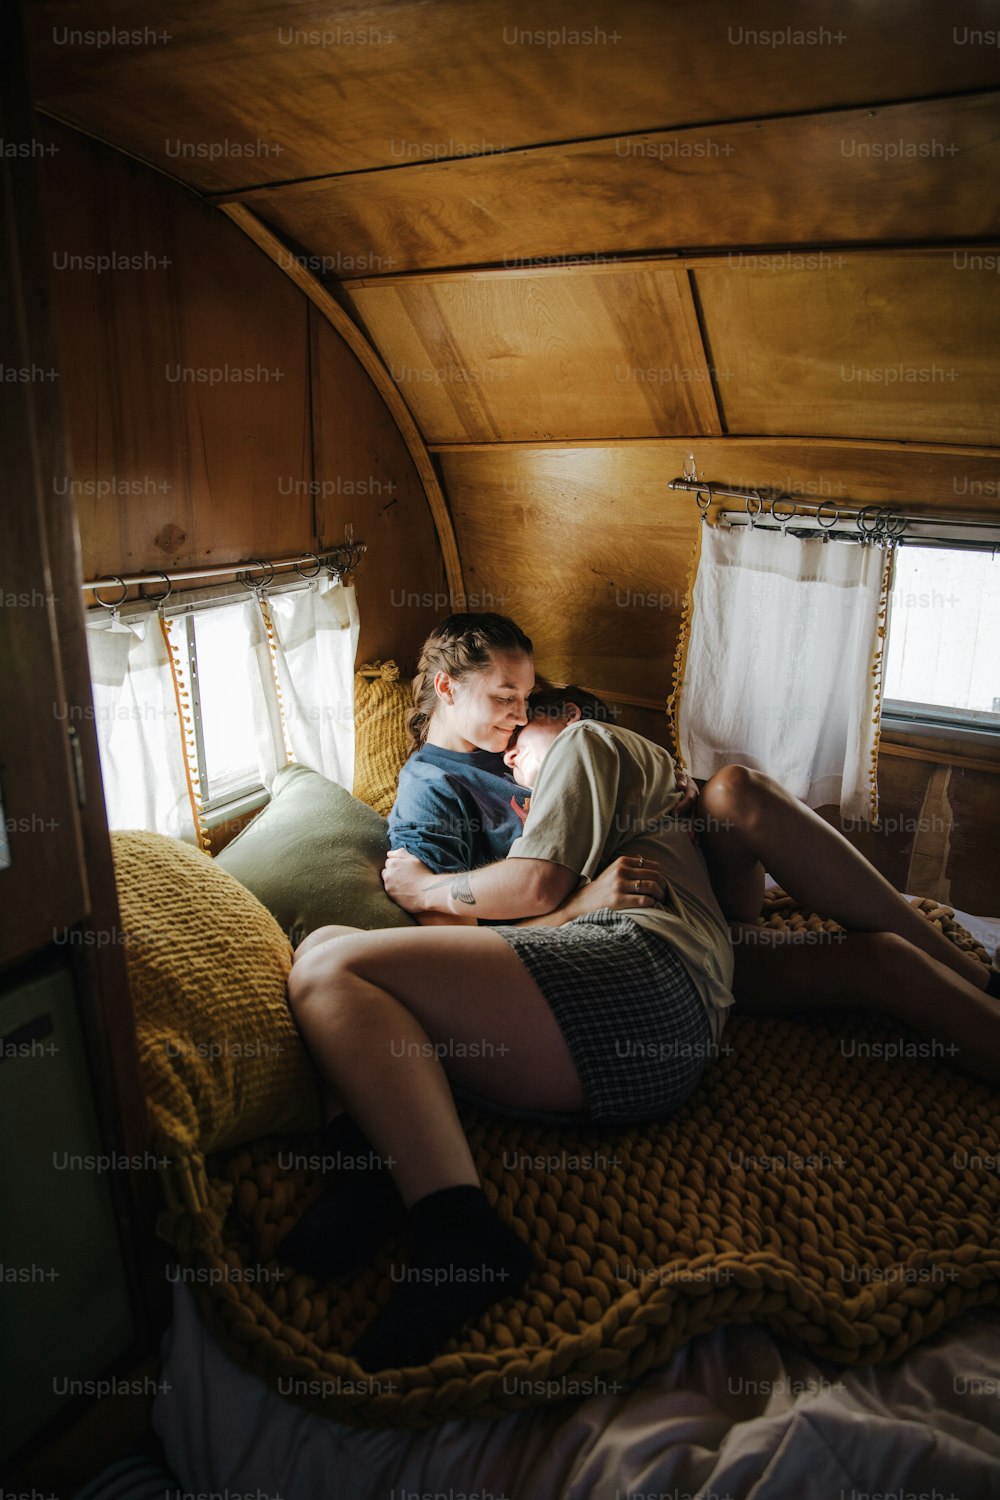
(380,1012)
(754,824)
(870,971)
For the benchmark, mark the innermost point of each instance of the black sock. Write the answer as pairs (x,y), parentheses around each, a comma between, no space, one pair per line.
(464,1258)
(343,1228)
(341,1142)
(993,984)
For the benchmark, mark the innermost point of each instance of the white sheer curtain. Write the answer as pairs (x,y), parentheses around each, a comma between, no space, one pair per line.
(139,731)
(315,645)
(298,673)
(783,664)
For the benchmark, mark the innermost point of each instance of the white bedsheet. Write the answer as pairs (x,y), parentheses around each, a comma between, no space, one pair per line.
(985,930)
(735,1415)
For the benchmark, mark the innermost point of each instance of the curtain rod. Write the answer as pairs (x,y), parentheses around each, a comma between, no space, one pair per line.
(340,560)
(871,522)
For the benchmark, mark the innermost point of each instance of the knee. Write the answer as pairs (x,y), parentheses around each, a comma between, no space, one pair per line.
(335,974)
(318,977)
(732,794)
(305,977)
(318,937)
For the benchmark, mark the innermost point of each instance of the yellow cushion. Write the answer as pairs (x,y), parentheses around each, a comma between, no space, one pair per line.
(381,705)
(221,1059)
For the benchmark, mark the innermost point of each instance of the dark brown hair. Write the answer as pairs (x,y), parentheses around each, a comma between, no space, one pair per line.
(549,702)
(460,646)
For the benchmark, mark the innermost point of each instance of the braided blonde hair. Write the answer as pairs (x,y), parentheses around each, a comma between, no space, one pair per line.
(460,645)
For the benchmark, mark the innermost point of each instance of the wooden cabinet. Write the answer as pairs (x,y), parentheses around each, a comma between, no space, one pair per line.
(43,883)
(67,1312)
(69,1081)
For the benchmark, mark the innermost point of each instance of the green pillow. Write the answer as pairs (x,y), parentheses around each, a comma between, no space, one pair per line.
(315,856)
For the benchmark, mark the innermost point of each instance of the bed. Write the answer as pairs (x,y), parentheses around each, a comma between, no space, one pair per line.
(735,1410)
(735,1413)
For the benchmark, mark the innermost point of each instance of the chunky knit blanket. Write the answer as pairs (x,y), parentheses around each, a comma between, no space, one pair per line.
(835,1180)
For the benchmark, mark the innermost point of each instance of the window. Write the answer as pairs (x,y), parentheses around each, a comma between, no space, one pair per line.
(234,689)
(223,719)
(942,662)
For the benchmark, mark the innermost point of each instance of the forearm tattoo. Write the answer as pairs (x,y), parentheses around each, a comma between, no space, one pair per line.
(460,888)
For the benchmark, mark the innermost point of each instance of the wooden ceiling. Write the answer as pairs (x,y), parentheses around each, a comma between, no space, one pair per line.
(755,219)
(291,90)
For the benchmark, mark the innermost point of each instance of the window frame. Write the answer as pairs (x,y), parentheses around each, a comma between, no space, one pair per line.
(220,809)
(215,811)
(937,721)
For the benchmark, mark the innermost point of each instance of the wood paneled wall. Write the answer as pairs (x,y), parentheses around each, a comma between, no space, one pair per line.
(213,417)
(591,550)
(185,366)
(365,477)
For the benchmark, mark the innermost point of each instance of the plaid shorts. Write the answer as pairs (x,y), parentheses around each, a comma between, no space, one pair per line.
(636,1027)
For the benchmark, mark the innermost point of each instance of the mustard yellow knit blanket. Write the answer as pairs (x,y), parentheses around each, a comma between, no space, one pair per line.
(834,1180)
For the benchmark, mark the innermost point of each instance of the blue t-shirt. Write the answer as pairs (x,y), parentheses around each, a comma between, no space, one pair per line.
(456,809)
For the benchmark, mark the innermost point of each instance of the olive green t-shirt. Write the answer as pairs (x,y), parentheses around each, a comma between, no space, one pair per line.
(603,791)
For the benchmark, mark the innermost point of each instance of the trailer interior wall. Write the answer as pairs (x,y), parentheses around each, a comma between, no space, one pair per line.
(575,266)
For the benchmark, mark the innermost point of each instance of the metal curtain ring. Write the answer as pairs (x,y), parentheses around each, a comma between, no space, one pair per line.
(704,503)
(873,529)
(753,514)
(343,560)
(157,598)
(826,525)
(112,578)
(257,584)
(315,572)
(894,525)
(783,520)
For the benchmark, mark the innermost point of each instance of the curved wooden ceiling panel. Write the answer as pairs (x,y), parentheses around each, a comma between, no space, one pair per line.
(902,172)
(875,346)
(523,356)
(226,95)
